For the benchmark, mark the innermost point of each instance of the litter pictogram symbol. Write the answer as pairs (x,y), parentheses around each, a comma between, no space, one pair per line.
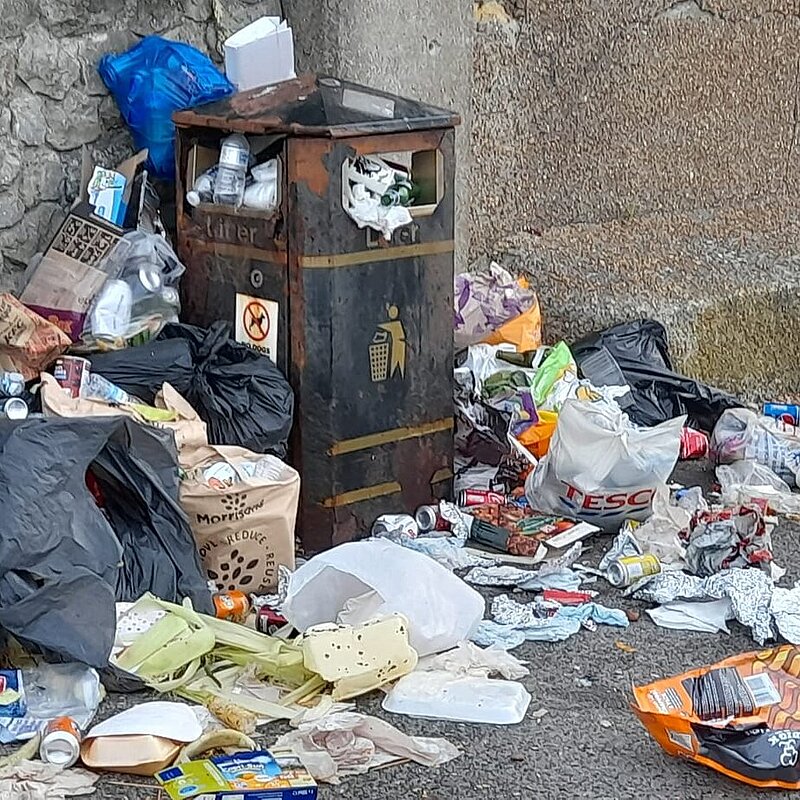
(256,321)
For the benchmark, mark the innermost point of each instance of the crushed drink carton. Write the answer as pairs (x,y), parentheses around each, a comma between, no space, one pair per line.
(245,776)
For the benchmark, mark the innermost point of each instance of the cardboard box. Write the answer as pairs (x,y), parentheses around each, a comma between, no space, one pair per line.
(245,776)
(260,54)
(66,280)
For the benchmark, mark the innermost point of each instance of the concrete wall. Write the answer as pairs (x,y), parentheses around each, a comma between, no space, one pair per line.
(52,102)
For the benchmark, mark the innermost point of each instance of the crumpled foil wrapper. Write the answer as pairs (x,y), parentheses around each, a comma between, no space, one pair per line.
(274,601)
(750,592)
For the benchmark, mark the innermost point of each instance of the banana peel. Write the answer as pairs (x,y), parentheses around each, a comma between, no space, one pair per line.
(226,740)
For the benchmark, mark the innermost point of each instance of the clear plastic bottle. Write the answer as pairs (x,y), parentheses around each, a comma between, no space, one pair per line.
(232,170)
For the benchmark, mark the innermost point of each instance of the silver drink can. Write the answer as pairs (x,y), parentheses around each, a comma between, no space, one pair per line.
(14,408)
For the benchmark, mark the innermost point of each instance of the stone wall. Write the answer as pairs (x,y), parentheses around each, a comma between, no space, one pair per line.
(53,103)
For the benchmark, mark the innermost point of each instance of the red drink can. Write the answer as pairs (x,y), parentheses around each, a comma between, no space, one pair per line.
(429,519)
(479,497)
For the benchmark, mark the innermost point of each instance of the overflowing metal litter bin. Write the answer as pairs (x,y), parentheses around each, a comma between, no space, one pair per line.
(359,318)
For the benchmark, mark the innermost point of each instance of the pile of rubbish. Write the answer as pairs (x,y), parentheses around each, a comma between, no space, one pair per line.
(150,514)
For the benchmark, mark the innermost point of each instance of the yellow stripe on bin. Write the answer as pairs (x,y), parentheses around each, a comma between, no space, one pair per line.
(442,475)
(378,254)
(359,495)
(390,436)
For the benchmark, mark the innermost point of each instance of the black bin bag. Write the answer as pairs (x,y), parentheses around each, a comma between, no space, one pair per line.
(640,350)
(240,394)
(63,561)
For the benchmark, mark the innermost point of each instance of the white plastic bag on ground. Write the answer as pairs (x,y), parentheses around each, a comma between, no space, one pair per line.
(601,468)
(358,581)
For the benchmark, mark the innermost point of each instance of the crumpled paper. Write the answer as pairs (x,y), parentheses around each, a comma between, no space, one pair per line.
(38,780)
(515,622)
(348,743)
(750,592)
(785,609)
(706,616)
(467,659)
(658,535)
(528,580)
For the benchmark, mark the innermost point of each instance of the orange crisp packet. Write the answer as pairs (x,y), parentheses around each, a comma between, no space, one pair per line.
(740,717)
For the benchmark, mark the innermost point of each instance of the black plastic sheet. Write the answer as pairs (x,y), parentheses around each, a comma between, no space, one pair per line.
(239,393)
(659,393)
(63,561)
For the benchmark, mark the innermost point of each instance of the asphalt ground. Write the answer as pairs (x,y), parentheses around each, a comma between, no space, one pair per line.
(587,745)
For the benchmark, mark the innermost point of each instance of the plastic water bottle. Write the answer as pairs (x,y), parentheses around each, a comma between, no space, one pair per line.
(232,171)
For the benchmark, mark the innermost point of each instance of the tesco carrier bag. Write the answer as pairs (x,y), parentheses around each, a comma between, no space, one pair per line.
(601,468)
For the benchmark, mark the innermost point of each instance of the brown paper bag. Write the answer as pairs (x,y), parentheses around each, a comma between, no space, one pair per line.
(245,530)
(189,429)
(28,342)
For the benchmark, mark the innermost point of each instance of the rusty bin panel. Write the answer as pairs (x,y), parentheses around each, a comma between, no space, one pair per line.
(364,326)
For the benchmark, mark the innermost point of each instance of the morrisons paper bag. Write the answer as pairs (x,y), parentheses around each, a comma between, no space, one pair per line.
(171,412)
(28,342)
(243,523)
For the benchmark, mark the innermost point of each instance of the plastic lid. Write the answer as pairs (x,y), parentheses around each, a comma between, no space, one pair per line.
(193,198)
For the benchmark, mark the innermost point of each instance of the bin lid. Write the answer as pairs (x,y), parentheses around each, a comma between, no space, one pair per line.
(312,105)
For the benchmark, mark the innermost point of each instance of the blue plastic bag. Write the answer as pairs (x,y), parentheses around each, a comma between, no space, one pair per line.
(151,81)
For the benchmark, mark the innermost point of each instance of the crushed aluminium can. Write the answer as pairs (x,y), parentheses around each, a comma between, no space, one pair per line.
(429,519)
(233,606)
(628,569)
(13,408)
(694,444)
(71,374)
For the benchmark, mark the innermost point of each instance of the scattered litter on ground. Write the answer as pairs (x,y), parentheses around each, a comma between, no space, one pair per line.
(183,514)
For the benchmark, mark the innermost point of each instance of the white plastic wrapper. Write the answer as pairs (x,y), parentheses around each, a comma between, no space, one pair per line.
(347,743)
(601,468)
(358,581)
(744,481)
(441,695)
(262,194)
(469,659)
